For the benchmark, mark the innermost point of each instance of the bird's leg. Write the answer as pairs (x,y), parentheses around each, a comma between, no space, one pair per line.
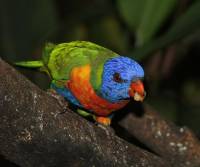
(106,121)
(61,100)
(103,123)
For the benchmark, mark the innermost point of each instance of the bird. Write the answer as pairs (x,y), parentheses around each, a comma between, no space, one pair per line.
(96,80)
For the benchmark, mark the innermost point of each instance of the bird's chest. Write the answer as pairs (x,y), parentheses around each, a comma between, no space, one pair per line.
(80,86)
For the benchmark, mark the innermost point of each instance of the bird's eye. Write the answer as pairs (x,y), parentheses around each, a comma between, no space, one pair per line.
(117,78)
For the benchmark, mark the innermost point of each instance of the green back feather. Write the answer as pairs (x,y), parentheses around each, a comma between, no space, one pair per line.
(64,57)
(59,60)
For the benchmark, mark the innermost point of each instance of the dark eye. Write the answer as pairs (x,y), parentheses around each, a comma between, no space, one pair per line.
(117,78)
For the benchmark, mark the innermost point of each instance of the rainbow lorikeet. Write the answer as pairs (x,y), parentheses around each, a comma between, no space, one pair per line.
(95,79)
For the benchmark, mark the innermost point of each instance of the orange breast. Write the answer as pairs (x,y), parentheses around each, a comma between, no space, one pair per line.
(80,86)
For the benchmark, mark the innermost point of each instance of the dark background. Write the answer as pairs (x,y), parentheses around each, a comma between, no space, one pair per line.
(163,35)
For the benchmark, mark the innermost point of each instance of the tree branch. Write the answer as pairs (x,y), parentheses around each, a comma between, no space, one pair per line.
(33,133)
(177,145)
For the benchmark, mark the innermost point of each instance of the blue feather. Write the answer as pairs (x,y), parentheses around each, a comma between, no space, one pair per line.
(128,69)
(66,94)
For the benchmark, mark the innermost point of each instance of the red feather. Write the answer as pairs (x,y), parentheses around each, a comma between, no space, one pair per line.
(79,84)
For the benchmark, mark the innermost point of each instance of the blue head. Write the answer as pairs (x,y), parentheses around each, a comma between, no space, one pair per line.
(121,79)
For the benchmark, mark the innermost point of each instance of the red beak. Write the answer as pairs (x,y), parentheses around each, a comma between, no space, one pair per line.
(137,90)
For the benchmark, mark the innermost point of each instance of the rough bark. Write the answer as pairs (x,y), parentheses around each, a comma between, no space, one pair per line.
(177,145)
(34,133)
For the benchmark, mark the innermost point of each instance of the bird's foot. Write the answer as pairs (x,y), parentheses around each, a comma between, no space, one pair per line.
(61,100)
(103,120)
(103,123)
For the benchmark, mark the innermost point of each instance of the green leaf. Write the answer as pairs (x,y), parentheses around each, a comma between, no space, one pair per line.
(107,31)
(131,11)
(154,14)
(145,17)
(185,25)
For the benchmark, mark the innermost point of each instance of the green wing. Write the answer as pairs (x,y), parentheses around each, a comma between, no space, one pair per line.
(58,60)
(64,57)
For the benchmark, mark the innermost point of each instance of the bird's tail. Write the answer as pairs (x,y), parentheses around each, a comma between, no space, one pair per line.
(30,64)
(39,64)
(34,64)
